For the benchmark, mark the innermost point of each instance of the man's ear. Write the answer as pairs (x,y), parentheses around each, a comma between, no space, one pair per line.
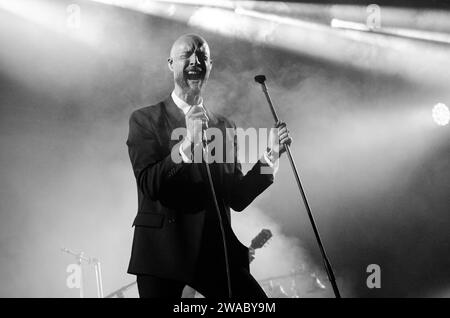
(169,63)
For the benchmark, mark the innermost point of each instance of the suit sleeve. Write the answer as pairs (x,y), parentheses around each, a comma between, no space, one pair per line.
(245,188)
(154,170)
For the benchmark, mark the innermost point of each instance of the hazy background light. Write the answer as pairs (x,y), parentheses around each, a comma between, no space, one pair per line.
(441,114)
(64,19)
(374,166)
(312,37)
(413,34)
(424,19)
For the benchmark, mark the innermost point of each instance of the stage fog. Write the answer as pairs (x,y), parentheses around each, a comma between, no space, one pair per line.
(374,165)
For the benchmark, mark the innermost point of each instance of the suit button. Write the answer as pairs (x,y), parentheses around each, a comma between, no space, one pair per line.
(171,219)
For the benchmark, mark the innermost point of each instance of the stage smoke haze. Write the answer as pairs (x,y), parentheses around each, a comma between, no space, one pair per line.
(282,261)
(374,166)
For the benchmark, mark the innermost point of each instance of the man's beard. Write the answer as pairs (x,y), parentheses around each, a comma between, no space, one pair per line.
(194,88)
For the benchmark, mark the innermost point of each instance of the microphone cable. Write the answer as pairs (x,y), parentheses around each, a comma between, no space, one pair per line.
(216,204)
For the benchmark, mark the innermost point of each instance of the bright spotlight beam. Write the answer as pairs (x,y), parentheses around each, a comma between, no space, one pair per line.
(441,114)
(367,51)
(431,20)
(407,33)
(58,17)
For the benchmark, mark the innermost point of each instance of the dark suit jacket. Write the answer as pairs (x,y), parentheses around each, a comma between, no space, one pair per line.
(174,198)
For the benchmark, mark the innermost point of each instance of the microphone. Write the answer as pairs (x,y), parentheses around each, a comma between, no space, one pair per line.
(260,79)
(204,137)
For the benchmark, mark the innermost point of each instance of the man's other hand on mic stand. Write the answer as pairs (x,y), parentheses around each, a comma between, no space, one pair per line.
(278,138)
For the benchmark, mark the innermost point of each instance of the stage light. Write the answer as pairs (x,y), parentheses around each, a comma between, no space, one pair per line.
(402,32)
(341,24)
(283,27)
(441,114)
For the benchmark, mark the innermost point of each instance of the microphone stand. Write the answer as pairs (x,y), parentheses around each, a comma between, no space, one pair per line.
(98,277)
(261,80)
(98,271)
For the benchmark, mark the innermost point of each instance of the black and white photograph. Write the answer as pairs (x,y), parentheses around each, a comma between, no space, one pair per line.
(198,150)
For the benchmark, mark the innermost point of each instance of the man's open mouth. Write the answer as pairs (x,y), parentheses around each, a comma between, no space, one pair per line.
(194,74)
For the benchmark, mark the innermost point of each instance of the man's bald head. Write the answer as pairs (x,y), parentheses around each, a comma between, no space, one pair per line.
(188,40)
(190,63)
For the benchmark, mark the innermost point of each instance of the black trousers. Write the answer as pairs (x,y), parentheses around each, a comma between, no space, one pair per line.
(210,278)
(243,285)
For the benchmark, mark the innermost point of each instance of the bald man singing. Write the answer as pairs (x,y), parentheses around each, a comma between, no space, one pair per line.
(177,236)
